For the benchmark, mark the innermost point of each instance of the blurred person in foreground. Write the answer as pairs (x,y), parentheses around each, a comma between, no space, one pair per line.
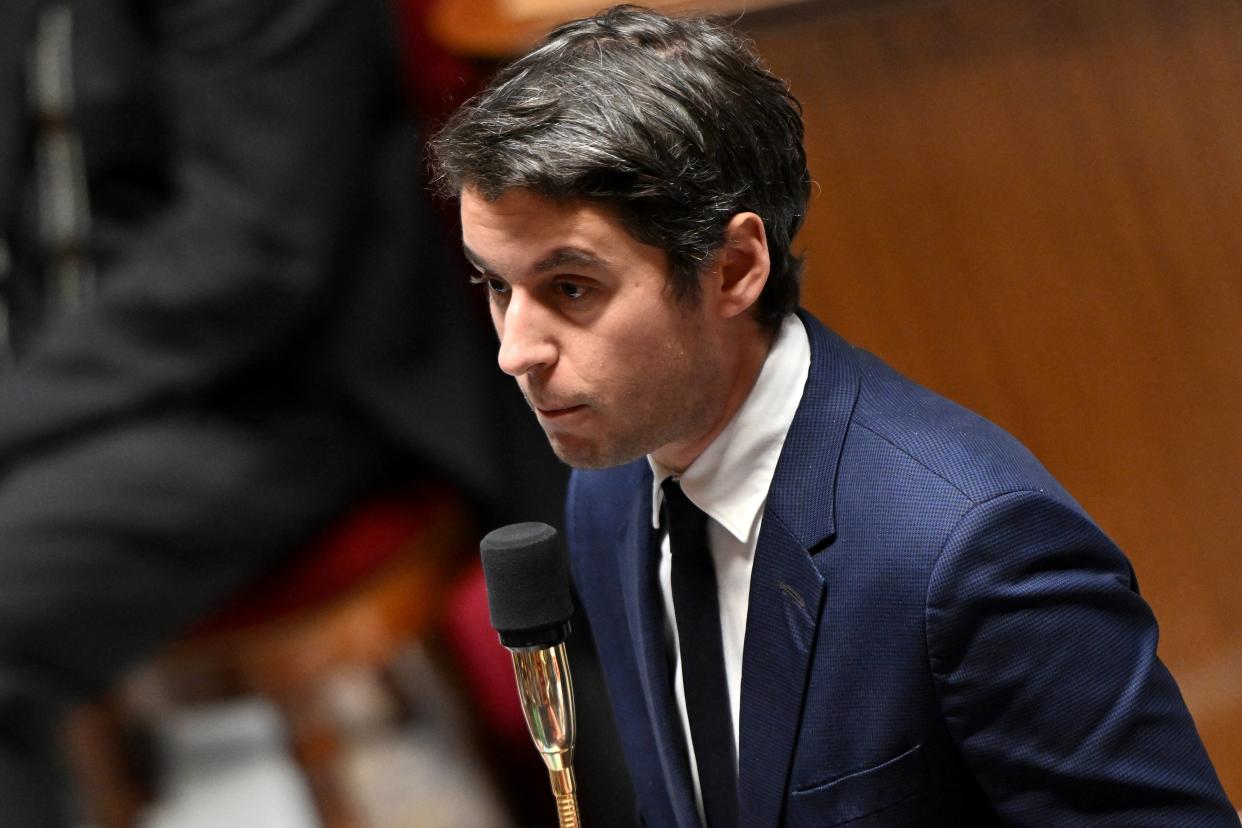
(226,319)
(822,595)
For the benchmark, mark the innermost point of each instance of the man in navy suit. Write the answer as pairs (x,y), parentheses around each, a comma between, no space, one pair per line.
(908,621)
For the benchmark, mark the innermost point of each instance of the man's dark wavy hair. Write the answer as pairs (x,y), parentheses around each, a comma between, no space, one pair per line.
(675,123)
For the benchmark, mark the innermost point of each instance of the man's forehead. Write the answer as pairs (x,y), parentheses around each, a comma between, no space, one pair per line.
(521,201)
(544,233)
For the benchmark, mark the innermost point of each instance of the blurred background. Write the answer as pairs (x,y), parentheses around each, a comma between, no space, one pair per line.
(1030,207)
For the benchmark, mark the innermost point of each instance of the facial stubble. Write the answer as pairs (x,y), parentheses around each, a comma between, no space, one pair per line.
(673,399)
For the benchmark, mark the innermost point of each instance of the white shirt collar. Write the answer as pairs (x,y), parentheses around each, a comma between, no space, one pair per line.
(729,481)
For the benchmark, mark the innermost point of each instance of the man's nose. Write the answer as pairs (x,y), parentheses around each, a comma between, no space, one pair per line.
(526,342)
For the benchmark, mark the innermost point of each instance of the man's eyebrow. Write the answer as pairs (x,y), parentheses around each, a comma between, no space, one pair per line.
(560,257)
(476,260)
(568,256)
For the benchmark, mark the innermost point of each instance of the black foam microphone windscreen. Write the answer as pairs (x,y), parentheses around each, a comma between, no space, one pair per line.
(527,578)
(529,600)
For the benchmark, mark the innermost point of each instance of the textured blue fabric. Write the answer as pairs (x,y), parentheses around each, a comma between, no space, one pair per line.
(938,635)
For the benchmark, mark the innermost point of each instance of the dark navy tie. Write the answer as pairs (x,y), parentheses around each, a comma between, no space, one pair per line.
(697,608)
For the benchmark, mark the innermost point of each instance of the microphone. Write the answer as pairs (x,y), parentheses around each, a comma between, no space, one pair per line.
(530,604)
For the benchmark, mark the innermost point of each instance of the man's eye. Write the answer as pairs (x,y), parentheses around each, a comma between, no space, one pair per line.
(493,285)
(570,290)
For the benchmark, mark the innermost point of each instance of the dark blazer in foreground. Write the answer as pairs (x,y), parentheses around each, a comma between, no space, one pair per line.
(937,635)
(274,333)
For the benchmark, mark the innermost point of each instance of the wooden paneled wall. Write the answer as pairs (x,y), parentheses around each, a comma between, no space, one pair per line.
(1035,207)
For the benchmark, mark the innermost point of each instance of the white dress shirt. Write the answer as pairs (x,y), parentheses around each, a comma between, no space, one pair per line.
(729,481)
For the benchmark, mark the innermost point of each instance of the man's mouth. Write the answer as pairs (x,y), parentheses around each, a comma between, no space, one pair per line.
(554,412)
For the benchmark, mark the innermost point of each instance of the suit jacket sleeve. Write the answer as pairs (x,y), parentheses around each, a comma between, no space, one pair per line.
(1045,658)
(269,105)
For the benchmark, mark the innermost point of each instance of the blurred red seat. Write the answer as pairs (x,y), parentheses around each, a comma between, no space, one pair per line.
(370,585)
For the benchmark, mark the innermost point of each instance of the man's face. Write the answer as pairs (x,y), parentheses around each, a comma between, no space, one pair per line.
(612,364)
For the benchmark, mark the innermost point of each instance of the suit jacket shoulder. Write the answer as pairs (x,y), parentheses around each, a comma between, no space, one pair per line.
(967,452)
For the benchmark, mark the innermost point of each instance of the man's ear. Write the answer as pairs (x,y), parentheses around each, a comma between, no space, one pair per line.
(743,264)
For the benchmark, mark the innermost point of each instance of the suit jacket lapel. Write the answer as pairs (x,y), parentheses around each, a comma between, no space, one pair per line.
(787,592)
(644,610)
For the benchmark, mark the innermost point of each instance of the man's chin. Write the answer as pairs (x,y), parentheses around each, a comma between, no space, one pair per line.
(586,455)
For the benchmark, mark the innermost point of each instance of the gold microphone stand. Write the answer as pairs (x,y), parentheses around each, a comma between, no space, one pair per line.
(547,694)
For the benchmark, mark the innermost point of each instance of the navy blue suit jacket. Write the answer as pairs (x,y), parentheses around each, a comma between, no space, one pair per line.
(937,634)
